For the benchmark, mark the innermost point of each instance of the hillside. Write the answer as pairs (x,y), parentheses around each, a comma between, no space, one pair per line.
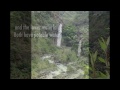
(59,44)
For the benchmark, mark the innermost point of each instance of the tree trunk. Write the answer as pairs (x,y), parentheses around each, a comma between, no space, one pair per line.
(59,35)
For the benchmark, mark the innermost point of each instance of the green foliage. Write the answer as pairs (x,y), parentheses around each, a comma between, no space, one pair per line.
(19,73)
(69,35)
(20,61)
(104,76)
(101,59)
(70,69)
(42,46)
(98,74)
(93,57)
(108,41)
(23,48)
(39,65)
(42,17)
(104,46)
(61,55)
(99,23)
(86,71)
(72,56)
(65,55)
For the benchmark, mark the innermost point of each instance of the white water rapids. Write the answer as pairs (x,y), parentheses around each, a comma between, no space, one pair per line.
(61,70)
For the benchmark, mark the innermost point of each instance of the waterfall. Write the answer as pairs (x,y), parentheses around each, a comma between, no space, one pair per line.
(79,48)
(59,35)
